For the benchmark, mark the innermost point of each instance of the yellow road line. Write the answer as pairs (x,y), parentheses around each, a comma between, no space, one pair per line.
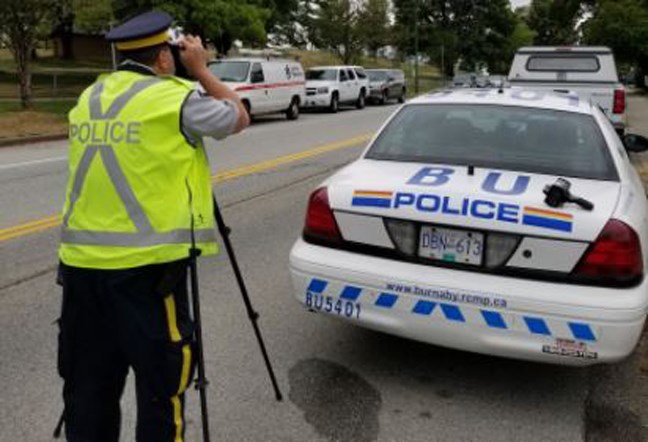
(55,220)
(280,161)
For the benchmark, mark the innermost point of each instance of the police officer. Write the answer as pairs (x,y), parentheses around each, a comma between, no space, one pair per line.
(138,198)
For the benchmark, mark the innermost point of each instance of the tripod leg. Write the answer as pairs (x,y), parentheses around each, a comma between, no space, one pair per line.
(254,316)
(59,426)
(201,381)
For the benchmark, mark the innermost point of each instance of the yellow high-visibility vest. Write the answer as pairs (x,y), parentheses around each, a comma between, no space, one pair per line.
(139,192)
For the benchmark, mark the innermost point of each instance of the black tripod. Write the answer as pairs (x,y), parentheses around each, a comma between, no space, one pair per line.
(201,381)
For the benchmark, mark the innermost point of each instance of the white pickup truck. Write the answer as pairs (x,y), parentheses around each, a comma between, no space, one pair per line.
(588,71)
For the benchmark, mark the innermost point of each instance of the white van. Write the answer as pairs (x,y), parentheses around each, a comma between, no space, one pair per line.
(264,85)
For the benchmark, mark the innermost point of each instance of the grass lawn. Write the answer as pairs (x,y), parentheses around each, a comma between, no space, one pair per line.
(47,118)
(56,107)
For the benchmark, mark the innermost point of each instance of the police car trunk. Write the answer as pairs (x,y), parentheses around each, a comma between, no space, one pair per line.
(464,251)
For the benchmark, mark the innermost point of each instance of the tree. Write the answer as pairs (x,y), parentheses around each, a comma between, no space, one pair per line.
(92,16)
(335,27)
(430,24)
(19,27)
(283,20)
(220,22)
(623,26)
(555,21)
(475,32)
(522,35)
(483,28)
(373,25)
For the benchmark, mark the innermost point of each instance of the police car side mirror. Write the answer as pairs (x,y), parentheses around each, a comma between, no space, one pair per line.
(635,143)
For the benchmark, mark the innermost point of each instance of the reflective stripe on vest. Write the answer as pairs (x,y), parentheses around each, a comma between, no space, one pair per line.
(145,235)
(137,239)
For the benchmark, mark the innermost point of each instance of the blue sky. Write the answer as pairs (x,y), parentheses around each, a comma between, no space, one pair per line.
(517,3)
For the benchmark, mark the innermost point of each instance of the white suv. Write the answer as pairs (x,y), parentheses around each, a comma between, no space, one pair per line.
(330,86)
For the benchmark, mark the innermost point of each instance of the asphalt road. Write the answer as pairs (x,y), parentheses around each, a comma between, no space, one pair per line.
(340,382)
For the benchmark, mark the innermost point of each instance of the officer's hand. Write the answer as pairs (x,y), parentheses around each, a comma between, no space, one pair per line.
(192,54)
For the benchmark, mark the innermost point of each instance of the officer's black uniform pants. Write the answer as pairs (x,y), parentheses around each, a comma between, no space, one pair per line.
(113,320)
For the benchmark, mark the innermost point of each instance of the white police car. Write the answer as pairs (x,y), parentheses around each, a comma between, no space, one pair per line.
(507,222)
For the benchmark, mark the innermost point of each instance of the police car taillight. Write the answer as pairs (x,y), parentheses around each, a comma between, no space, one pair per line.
(403,234)
(615,256)
(320,221)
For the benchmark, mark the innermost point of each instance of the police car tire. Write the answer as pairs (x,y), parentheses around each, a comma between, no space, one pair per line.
(335,103)
(293,110)
(360,103)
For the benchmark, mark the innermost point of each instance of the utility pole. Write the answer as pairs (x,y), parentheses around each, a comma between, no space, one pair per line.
(443,63)
(416,47)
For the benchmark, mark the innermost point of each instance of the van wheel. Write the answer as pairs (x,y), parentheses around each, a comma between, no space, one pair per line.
(401,99)
(335,103)
(360,103)
(293,110)
(246,105)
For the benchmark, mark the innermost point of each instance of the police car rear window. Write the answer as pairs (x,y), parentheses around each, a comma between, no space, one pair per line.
(499,137)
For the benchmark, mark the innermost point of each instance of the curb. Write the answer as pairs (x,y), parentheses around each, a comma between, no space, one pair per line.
(9,142)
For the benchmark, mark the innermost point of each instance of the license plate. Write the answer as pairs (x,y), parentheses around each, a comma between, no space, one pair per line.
(329,304)
(451,245)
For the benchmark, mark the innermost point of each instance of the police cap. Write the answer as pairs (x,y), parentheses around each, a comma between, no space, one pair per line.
(142,31)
